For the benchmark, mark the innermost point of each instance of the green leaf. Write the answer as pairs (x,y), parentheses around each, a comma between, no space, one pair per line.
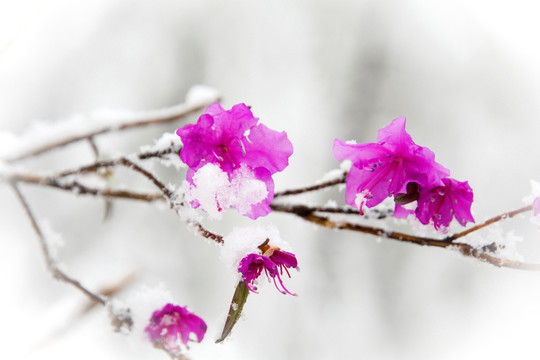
(235,310)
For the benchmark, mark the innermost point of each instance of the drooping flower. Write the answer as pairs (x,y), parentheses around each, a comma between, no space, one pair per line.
(273,261)
(384,168)
(173,325)
(442,203)
(233,139)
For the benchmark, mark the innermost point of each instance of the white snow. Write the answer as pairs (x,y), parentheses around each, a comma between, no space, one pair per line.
(167,141)
(143,303)
(243,241)
(535,192)
(202,94)
(506,242)
(53,239)
(215,193)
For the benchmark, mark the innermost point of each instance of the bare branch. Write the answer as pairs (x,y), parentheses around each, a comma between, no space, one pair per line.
(503,216)
(306,189)
(85,190)
(307,213)
(51,264)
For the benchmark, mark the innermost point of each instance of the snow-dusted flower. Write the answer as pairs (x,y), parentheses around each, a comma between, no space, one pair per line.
(442,203)
(273,261)
(242,148)
(174,324)
(384,168)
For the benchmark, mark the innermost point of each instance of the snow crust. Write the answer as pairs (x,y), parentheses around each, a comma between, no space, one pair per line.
(214,192)
(142,305)
(167,141)
(506,242)
(243,241)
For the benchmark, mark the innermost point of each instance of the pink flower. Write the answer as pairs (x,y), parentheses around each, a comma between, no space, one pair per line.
(173,323)
(442,203)
(384,168)
(273,262)
(230,139)
(536,206)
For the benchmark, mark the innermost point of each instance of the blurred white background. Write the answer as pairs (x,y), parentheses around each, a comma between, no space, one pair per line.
(464,73)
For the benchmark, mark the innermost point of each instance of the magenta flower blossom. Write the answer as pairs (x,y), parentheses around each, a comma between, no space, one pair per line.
(396,166)
(273,262)
(442,203)
(384,168)
(232,139)
(173,323)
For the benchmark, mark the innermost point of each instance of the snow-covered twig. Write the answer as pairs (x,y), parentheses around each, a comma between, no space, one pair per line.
(148,118)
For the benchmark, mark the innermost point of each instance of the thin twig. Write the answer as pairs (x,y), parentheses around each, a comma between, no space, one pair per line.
(114,162)
(306,189)
(308,214)
(130,164)
(51,264)
(75,186)
(503,216)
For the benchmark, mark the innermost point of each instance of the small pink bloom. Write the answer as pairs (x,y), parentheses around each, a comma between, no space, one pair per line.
(384,168)
(230,139)
(442,203)
(273,262)
(172,324)
(536,206)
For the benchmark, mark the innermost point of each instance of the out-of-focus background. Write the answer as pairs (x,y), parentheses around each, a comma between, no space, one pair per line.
(464,73)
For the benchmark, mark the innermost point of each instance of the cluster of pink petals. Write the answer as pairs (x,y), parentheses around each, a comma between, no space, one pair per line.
(173,323)
(231,138)
(273,265)
(396,166)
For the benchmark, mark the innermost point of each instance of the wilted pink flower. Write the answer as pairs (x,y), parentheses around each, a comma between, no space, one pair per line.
(173,323)
(273,262)
(232,138)
(442,203)
(384,168)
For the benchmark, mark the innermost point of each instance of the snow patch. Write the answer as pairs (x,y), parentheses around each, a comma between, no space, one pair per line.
(243,241)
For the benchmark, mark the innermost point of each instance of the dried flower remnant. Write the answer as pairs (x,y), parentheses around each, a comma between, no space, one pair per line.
(242,148)
(173,325)
(273,261)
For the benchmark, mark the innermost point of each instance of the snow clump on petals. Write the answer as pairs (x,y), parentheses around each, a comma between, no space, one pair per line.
(212,191)
(173,325)
(395,166)
(248,152)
